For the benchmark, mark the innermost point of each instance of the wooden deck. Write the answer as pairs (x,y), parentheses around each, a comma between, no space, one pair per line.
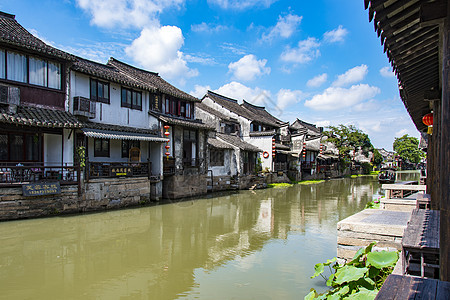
(408,287)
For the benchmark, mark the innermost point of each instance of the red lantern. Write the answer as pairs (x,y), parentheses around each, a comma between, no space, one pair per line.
(428,119)
(167,133)
(167,154)
(167,147)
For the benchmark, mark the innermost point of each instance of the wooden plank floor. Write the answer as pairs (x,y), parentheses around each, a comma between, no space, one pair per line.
(397,287)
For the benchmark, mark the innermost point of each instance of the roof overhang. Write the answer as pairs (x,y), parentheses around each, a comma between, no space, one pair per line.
(118,135)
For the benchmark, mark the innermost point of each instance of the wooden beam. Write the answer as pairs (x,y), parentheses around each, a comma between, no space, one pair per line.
(433,13)
(444,164)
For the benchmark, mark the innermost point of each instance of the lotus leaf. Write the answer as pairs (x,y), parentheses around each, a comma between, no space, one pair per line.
(349,273)
(330,261)
(330,280)
(318,268)
(382,259)
(311,295)
(363,294)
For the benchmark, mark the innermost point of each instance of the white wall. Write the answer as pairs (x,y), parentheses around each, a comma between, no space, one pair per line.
(52,149)
(265,144)
(227,168)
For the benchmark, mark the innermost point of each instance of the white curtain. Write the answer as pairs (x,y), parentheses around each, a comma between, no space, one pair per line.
(38,71)
(2,64)
(17,67)
(54,75)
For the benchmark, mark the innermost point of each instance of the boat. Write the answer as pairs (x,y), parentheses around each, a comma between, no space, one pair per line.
(386,176)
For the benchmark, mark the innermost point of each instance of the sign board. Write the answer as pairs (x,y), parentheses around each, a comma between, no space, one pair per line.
(121,171)
(41,189)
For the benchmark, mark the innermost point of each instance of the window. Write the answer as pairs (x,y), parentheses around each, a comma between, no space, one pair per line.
(173,107)
(131,99)
(189,147)
(101,147)
(2,64)
(188,110)
(167,106)
(216,157)
(16,68)
(20,147)
(32,70)
(127,145)
(99,91)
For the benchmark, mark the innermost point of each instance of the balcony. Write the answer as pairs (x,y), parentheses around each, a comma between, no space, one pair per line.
(84,107)
(118,169)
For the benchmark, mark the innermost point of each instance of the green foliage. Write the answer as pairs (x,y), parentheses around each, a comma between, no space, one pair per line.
(81,155)
(407,147)
(258,167)
(279,185)
(309,181)
(361,278)
(377,158)
(348,139)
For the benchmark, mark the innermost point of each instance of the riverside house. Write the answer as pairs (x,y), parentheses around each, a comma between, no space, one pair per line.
(36,131)
(232,161)
(257,126)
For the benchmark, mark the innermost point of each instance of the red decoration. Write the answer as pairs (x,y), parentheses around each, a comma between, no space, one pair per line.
(166,126)
(167,147)
(167,154)
(428,119)
(166,133)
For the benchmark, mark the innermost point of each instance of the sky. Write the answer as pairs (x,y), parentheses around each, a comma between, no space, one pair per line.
(319,61)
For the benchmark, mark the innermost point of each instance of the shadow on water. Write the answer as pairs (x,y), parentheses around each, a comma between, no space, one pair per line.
(249,244)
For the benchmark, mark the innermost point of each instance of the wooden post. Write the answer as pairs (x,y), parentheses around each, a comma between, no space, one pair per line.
(444,166)
(436,141)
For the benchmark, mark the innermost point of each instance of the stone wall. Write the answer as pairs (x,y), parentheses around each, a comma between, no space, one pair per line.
(221,183)
(97,194)
(180,186)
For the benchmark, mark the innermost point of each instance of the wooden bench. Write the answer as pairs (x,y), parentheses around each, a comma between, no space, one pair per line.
(408,287)
(423,201)
(420,244)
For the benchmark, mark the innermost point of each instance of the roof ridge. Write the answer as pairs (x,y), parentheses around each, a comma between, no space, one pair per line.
(6,15)
(253,105)
(223,97)
(113,60)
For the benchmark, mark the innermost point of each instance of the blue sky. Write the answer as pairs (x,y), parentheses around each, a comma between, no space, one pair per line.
(319,61)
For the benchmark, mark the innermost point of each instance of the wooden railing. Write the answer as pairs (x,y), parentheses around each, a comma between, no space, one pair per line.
(168,166)
(19,173)
(117,169)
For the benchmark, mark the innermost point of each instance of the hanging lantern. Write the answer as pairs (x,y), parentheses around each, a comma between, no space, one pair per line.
(167,133)
(428,120)
(321,148)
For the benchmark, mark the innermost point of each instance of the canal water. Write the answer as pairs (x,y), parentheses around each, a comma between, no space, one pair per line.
(259,244)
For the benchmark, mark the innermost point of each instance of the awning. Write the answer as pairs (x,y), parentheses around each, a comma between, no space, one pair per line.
(117,135)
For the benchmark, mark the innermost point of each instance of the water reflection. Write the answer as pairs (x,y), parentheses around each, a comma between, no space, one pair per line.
(253,244)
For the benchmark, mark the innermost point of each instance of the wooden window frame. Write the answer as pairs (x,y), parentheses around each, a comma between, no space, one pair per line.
(94,96)
(102,152)
(132,94)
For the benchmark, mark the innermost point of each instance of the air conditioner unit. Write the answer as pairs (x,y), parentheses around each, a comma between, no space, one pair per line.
(83,107)
(9,94)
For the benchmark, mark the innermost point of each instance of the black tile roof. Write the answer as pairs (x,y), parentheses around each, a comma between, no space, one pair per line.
(13,34)
(237,142)
(262,115)
(215,112)
(197,124)
(300,126)
(262,133)
(39,117)
(218,144)
(111,127)
(153,80)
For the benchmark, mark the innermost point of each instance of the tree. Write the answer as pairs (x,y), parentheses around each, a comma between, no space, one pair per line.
(407,147)
(377,157)
(348,139)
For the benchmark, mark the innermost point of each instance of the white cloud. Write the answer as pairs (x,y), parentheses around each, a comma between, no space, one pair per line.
(305,52)
(207,28)
(284,28)
(286,97)
(126,13)
(158,49)
(401,132)
(248,67)
(200,90)
(386,72)
(335,98)
(241,4)
(335,35)
(324,123)
(370,105)
(238,91)
(317,81)
(351,76)
(235,49)
(200,60)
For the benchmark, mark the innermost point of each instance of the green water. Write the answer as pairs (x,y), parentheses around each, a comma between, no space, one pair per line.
(249,245)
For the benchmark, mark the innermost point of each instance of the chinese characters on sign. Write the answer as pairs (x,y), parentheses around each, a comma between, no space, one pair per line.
(121,171)
(41,189)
